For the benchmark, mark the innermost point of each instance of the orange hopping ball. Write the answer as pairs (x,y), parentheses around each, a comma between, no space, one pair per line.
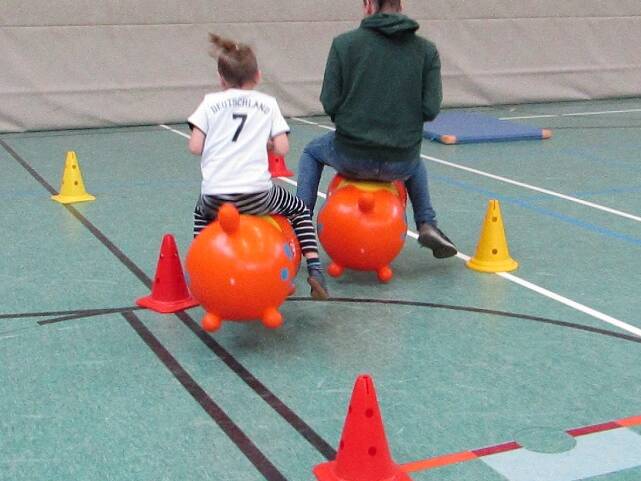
(362,226)
(241,268)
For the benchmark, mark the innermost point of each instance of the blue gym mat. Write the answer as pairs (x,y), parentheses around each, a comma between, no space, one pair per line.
(470,127)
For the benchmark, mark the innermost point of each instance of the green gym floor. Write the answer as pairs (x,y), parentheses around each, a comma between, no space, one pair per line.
(480,377)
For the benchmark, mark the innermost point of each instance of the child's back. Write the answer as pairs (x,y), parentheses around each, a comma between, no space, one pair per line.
(238,124)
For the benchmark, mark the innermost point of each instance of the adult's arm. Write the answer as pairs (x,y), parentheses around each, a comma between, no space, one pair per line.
(332,92)
(432,86)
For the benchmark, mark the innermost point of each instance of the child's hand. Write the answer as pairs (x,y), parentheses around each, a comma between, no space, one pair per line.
(270,145)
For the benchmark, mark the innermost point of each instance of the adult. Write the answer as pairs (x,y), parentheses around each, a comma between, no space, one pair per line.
(382,81)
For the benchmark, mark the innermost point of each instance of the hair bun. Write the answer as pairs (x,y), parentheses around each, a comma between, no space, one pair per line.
(223,44)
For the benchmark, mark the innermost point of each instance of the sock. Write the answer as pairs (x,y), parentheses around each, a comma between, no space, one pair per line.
(314,263)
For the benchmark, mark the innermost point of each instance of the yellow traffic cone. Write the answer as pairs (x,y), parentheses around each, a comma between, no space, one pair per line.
(72,188)
(492,254)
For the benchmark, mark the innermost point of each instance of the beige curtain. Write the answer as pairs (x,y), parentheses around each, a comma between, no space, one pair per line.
(81,63)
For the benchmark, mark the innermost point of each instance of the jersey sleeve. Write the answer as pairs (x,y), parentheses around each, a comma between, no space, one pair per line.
(199,118)
(279,124)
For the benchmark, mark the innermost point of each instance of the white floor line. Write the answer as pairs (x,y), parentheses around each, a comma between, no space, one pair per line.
(542,116)
(576,114)
(327,127)
(522,282)
(604,112)
(175,131)
(513,182)
(536,189)
(570,303)
(320,194)
(535,288)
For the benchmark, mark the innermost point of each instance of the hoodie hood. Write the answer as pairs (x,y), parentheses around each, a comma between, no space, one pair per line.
(390,24)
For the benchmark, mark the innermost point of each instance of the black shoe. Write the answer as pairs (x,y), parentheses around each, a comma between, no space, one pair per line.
(433,238)
(316,280)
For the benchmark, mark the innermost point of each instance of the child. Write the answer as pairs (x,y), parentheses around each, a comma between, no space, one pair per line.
(231,130)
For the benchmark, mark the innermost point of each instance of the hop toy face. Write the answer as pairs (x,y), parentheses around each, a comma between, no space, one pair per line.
(241,268)
(362,226)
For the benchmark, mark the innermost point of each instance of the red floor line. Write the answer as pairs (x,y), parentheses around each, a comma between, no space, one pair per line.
(463,456)
(595,428)
(439,461)
(631,421)
(455,458)
(499,448)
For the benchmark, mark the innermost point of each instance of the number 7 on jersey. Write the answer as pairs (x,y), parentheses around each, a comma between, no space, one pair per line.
(243,119)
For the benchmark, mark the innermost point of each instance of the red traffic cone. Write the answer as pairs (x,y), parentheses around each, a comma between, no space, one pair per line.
(363,453)
(277,166)
(169,291)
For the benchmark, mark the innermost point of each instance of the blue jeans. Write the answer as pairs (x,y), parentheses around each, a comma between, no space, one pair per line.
(322,151)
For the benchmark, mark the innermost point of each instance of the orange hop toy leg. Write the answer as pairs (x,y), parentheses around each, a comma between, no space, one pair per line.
(211,322)
(272,318)
(385,274)
(335,270)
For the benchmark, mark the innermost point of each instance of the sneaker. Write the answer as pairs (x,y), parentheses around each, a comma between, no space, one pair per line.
(316,280)
(433,238)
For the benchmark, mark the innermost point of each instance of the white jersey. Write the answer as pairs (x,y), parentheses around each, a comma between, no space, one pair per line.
(237,124)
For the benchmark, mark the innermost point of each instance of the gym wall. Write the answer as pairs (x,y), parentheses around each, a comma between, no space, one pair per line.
(82,63)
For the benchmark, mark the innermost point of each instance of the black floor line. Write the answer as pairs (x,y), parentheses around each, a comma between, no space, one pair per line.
(215,412)
(102,312)
(243,373)
(79,314)
(115,129)
(270,398)
(259,388)
(74,314)
(479,310)
(23,315)
(139,273)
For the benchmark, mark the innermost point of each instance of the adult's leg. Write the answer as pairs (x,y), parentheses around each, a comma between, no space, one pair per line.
(414,174)
(419,194)
(429,235)
(318,153)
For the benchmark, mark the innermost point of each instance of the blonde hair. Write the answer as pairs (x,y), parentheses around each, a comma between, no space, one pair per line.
(236,61)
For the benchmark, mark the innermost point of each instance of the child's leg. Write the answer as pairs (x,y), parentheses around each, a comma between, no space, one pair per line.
(282,202)
(279,201)
(205,212)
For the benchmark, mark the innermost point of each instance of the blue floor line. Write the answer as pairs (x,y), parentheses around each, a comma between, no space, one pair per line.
(589,193)
(540,210)
(589,156)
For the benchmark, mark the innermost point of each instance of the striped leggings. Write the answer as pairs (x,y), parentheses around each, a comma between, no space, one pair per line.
(274,201)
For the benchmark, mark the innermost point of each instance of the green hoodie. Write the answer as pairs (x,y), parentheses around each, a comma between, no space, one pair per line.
(382,81)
